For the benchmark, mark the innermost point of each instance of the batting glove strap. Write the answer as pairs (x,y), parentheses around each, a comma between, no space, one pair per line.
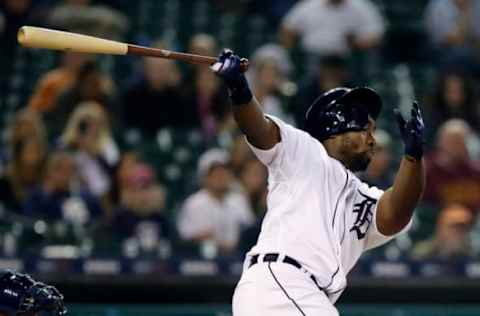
(240,93)
(411,132)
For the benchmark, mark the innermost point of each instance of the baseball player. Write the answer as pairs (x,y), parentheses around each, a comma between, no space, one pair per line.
(20,295)
(320,216)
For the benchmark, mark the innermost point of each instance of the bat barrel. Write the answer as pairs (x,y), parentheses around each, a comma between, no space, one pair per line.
(37,37)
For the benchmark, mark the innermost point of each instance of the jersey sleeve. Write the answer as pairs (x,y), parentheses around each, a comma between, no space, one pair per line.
(374,237)
(293,150)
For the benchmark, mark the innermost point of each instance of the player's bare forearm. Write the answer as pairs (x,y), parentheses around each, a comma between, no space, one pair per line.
(397,204)
(260,131)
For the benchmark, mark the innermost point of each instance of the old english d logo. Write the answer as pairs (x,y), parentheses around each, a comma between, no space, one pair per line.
(363,210)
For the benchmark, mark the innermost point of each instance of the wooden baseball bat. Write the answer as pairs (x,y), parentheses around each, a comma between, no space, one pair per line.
(37,37)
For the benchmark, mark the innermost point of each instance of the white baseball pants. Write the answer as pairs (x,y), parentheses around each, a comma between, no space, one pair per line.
(279,289)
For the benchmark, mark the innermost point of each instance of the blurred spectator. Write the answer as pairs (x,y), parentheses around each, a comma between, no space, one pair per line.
(253,179)
(203,44)
(215,215)
(142,203)
(27,146)
(268,74)
(379,173)
(25,125)
(91,85)
(88,135)
(55,82)
(208,95)
(454,97)
(240,154)
(452,176)
(59,197)
(278,54)
(332,72)
(451,239)
(157,100)
(84,17)
(123,172)
(333,26)
(210,100)
(454,29)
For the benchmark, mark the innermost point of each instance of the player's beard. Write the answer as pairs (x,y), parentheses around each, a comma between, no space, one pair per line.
(359,162)
(353,159)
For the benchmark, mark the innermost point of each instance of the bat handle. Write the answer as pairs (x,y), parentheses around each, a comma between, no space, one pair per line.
(189,58)
(244,63)
(198,59)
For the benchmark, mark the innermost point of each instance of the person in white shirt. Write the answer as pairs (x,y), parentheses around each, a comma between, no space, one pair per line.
(267,76)
(327,27)
(320,216)
(453,27)
(217,213)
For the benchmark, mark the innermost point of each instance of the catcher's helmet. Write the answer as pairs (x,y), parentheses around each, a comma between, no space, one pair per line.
(342,110)
(20,294)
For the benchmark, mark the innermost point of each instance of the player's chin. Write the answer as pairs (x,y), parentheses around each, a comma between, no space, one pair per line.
(361,162)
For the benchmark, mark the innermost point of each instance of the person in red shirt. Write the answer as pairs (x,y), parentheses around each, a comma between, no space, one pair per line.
(452,175)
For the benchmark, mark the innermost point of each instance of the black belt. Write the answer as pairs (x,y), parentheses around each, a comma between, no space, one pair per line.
(273,257)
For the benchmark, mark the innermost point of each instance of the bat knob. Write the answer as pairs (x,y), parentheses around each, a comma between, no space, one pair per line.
(21,35)
(244,64)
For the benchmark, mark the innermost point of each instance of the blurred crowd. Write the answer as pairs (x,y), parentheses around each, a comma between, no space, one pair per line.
(71,186)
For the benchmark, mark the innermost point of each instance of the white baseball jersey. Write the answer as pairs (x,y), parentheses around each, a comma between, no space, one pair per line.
(319,213)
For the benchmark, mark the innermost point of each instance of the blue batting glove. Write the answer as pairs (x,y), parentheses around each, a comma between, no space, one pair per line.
(411,132)
(228,68)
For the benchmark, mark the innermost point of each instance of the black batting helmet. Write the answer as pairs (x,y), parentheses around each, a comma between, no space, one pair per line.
(342,110)
(21,295)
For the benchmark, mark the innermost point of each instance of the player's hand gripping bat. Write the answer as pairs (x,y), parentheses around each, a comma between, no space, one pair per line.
(37,37)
